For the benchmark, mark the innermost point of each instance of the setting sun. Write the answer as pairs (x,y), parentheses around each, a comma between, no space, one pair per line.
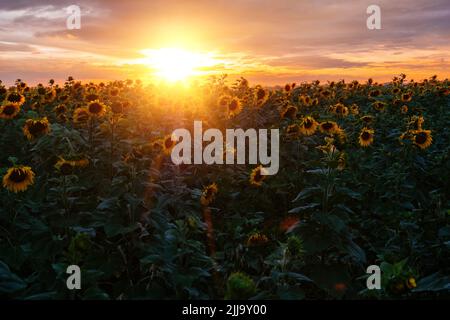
(173,64)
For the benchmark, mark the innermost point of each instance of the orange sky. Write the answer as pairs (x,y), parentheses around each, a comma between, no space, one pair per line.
(269,42)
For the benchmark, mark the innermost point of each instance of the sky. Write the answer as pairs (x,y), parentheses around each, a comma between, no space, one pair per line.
(268,42)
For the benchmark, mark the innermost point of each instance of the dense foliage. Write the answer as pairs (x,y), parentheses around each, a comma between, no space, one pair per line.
(364,180)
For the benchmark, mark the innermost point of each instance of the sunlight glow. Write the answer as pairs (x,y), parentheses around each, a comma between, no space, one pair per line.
(173,64)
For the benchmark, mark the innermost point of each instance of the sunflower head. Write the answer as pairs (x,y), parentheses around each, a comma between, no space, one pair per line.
(257,239)
(15,98)
(290,112)
(234,106)
(422,138)
(35,128)
(96,108)
(81,115)
(224,101)
(261,95)
(309,126)
(406,97)
(366,137)
(329,127)
(65,167)
(9,111)
(379,105)
(209,194)
(257,177)
(404,109)
(18,178)
(168,143)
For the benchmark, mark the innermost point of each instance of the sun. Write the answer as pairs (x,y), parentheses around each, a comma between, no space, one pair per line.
(174,64)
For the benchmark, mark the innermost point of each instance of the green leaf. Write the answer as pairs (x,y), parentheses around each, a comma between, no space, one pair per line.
(304,208)
(10,282)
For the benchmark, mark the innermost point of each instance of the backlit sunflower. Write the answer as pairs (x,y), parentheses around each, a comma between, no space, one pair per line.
(261,95)
(96,108)
(209,194)
(168,144)
(309,126)
(81,115)
(15,98)
(366,137)
(65,167)
(223,101)
(9,111)
(374,93)
(35,128)
(256,176)
(234,107)
(422,138)
(406,97)
(59,109)
(329,127)
(18,178)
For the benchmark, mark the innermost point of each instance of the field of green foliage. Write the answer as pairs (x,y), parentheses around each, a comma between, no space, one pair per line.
(87,180)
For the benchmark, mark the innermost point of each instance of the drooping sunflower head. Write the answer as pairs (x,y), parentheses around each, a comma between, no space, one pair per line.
(366,137)
(18,178)
(35,128)
(9,111)
(81,115)
(309,126)
(290,112)
(329,127)
(234,106)
(257,177)
(423,138)
(209,194)
(96,108)
(15,98)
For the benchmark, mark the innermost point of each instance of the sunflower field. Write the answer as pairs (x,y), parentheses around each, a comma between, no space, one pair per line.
(87,180)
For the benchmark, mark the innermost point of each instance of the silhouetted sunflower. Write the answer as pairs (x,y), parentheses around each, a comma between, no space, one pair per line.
(290,112)
(35,128)
(366,137)
(18,178)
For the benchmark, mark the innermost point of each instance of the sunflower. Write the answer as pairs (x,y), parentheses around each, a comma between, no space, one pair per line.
(234,107)
(340,110)
(309,126)
(290,112)
(65,167)
(354,109)
(96,108)
(366,137)
(367,119)
(257,177)
(34,128)
(411,283)
(117,107)
(379,105)
(18,178)
(257,239)
(404,109)
(9,111)
(422,138)
(261,95)
(80,115)
(15,98)
(396,90)
(168,143)
(287,87)
(209,194)
(329,127)
(406,97)
(374,93)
